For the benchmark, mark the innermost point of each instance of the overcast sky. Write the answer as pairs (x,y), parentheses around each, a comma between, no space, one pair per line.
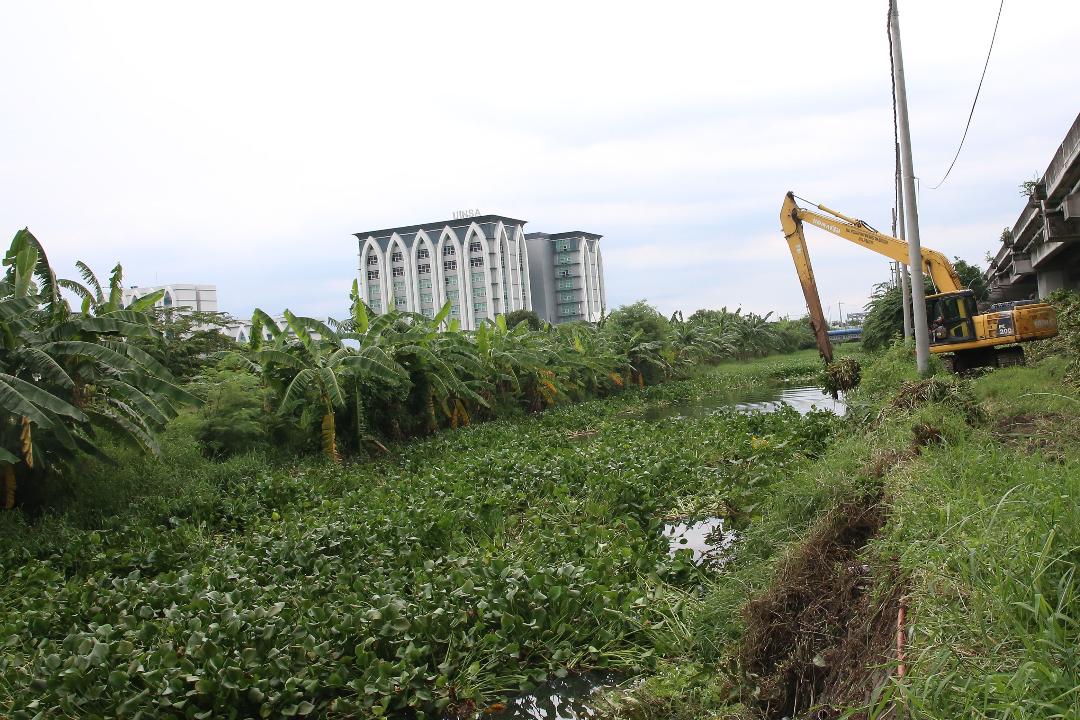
(240,144)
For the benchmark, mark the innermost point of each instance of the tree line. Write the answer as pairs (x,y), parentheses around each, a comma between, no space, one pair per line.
(77,366)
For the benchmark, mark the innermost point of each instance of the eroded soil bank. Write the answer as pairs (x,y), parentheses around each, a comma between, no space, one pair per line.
(820,637)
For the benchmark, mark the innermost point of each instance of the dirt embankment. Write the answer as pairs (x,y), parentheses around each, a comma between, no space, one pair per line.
(822,638)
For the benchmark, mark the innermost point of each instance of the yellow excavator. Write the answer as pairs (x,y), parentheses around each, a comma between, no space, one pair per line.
(957,328)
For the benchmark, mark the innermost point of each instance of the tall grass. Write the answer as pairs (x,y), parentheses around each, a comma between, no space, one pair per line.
(983,534)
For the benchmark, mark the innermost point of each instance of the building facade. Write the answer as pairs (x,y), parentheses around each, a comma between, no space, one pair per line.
(480,265)
(198,298)
(1041,252)
(567,273)
(484,266)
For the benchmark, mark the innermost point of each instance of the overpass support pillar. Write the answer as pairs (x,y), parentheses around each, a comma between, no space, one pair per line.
(1049,281)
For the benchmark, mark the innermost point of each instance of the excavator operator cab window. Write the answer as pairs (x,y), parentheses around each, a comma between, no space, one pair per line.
(951,318)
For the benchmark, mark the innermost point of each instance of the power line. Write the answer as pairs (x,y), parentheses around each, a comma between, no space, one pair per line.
(976,100)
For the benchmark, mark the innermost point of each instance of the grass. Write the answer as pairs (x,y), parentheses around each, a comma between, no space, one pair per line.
(982,539)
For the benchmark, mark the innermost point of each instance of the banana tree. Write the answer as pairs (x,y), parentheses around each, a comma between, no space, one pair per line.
(444,371)
(65,375)
(697,342)
(322,362)
(588,359)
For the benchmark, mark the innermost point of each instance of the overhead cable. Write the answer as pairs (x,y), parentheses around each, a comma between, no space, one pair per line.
(976,100)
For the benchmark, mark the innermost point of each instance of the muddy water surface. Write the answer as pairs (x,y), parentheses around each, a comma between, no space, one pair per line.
(802,399)
(558,699)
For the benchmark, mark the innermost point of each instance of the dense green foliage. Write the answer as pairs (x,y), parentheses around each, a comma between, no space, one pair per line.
(346,387)
(451,571)
(884,323)
(523,316)
(68,375)
(232,417)
(362,382)
(971,277)
(185,339)
(1067,342)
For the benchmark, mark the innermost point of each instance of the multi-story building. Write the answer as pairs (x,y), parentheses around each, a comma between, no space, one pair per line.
(567,273)
(480,265)
(484,266)
(182,296)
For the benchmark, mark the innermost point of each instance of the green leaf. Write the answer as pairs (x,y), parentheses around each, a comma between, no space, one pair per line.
(13,402)
(90,279)
(146,302)
(442,314)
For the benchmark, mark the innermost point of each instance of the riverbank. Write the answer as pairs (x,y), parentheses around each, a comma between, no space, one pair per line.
(956,499)
(437,581)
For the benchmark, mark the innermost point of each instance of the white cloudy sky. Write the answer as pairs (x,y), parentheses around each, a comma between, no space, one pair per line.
(241,143)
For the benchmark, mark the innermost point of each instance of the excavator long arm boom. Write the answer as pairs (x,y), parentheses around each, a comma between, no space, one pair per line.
(934,264)
(796,240)
(792,217)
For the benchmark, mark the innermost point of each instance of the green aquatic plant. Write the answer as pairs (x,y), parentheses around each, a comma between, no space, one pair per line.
(447,574)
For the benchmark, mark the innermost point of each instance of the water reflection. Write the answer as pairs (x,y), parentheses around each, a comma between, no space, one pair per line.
(706,539)
(559,699)
(801,399)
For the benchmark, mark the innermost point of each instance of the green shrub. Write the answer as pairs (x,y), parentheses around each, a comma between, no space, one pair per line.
(232,418)
(523,316)
(1067,342)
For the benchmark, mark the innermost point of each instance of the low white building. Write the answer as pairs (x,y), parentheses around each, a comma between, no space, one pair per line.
(240,331)
(199,298)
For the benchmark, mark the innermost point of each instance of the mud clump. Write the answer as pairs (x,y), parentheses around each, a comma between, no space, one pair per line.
(923,434)
(884,461)
(951,392)
(819,637)
(844,374)
(1049,433)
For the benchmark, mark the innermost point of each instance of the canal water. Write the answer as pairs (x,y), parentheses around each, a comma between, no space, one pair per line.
(706,539)
(802,399)
(559,699)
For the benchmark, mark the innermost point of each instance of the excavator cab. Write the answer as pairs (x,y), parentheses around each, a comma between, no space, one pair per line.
(951,317)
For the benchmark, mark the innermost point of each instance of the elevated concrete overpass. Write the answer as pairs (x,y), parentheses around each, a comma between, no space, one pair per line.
(1041,253)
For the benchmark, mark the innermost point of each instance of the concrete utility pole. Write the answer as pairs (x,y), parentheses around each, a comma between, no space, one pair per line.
(907,172)
(905,279)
